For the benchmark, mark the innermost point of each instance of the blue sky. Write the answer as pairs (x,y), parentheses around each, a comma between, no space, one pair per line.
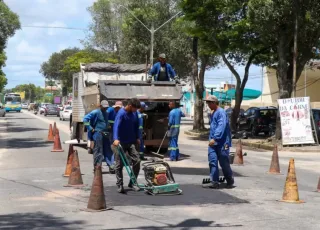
(32,46)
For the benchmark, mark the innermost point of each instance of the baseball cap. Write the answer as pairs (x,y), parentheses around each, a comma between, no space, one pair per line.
(212,98)
(162,56)
(104,104)
(143,105)
(118,104)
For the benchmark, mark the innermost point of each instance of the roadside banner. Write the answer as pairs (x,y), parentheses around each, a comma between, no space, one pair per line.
(295,121)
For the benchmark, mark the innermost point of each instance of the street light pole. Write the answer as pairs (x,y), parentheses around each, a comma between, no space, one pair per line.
(152,30)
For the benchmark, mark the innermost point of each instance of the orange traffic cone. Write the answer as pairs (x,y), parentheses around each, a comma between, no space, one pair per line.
(54,128)
(275,167)
(318,185)
(69,162)
(97,202)
(50,134)
(57,143)
(75,178)
(238,159)
(290,193)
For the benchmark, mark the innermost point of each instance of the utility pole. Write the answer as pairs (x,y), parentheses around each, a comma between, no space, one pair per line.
(295,50)
(151,44)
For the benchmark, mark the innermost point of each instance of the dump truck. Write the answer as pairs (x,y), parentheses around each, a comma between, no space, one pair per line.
(119,82)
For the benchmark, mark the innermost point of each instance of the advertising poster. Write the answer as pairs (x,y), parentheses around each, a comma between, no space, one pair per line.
(295,121)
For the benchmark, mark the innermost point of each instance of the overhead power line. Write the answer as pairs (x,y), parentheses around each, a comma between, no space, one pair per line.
(55,27)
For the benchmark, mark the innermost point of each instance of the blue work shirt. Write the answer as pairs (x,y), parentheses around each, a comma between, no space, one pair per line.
(126,127)
(175,120)
(140,120)
(219,128)
(96,120)
(111,116)
(156,70)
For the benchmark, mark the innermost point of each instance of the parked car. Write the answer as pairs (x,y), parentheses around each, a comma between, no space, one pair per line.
(24,106)
(61,107)
(52,110)
(2,111)
(43,107)
(65,113)
(258,119)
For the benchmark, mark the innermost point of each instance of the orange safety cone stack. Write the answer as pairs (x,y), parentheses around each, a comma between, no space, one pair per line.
(238,159)
(57,143)
(97,202)
(54,128)
(75,178)
(275,167)
(318,185)
(69,162)
(50,134)
(290,193)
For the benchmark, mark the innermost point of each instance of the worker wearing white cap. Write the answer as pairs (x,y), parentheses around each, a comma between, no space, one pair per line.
(97,125)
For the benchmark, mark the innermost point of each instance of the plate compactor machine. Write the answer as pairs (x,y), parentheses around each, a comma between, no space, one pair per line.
(158,176)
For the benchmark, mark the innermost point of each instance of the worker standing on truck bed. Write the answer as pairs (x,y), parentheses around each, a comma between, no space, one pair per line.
(141,116)
(97,124)
(173,130)
(162,71)
(219,143)
(112,112)
(126,134)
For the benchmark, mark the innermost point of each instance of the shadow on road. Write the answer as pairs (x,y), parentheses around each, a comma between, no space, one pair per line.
(188,225)
(24,143)
(198,171)
(37,220)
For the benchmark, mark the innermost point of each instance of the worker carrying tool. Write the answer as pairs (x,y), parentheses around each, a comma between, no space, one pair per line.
(219,144)
(126,134)
(112,112)
(141,116)
(96,123)
(173,130)
(162,71)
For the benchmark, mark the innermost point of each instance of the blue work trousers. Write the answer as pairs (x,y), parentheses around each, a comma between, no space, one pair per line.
(221,154)
(102,150)
(173,148)
(141,147)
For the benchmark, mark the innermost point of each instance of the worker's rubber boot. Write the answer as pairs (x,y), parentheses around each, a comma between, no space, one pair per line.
(230,183)
(120,189)
(134,187)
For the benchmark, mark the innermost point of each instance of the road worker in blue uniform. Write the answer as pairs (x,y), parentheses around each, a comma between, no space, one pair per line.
(96,123)
(162,71)
(219,144)
(112,113)
(173,130)
(141,117)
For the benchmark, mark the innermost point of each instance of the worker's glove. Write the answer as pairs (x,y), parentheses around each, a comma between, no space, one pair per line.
(177,80)
(149,80)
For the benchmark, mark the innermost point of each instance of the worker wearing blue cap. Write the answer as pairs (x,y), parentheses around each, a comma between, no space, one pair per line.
(141,115)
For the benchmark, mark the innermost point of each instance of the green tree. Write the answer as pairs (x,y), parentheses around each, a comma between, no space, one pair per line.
(224,29)
(9,23)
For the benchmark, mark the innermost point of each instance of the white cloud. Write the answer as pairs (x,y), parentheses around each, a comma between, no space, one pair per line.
(24,48)
(55,31)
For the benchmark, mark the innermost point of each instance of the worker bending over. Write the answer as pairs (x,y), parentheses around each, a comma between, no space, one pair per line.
(141,116)
(173,130)
(162,71)
(126,134)
(97,125)
(219,143)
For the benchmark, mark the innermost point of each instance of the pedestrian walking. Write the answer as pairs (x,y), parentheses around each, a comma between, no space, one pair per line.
(219,143)
(97,125)
(141,117)
(173,130)
(126,134)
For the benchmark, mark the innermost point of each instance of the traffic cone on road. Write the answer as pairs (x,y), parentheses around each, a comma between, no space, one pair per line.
(290,193)
(54,128)
(318,185)
(50,134)
(57,143)
(75,178)
(69,162)
(275,167)
(97,201)
(238,159)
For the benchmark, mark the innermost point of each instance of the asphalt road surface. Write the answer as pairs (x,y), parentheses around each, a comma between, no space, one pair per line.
(33,196)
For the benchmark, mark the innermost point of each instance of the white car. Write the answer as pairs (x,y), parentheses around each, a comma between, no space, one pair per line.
(24,106)
(65,113)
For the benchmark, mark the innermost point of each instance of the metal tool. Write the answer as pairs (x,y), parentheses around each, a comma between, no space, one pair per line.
(157,153)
